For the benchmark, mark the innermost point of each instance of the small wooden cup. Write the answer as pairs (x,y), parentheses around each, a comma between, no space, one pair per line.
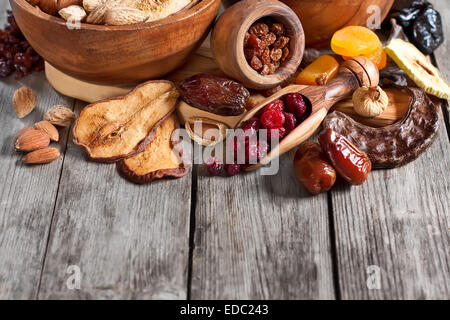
(227,41)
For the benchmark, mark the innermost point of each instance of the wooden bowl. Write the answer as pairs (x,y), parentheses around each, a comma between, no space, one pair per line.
(116,54)
(321,19)
(227,41)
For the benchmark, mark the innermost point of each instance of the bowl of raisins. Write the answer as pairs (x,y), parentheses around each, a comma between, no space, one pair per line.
(116,54)
(259,43)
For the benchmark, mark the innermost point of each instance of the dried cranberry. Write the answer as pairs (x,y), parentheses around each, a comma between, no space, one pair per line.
(272,119)
(251,151)
(233,169)
(277,105)
(263,149)
(290,123)
(295,104)
(214,166)
(278,133)
(251,126)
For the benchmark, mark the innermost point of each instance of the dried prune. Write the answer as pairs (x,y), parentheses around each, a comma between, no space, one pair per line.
(214,94)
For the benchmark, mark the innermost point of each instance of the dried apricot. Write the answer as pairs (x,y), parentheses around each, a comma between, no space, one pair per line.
(378,57)
(320,71)
(353,41)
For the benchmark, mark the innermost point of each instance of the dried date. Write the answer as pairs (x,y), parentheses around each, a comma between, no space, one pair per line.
(214,94)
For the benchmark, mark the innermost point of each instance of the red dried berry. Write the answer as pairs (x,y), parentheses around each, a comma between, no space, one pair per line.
(233,169)
(277,105)
(295,104)
(272,119)
(251,126)
(251,151)
(214,166)
(263,149)
(279,133)
(290,123)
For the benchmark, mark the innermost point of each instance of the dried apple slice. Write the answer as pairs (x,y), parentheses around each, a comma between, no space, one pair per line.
(161,158)
(118,128)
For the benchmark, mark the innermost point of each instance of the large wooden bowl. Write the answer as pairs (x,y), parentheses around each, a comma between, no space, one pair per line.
(116,54)
(322,18)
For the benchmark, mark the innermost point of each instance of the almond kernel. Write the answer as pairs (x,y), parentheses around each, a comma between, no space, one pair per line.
(49,129)
(45,155)
(60,116)
(24,101)
(32,140)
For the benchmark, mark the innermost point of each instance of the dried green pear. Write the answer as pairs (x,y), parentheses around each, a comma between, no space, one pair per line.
(118,128)
(161,158)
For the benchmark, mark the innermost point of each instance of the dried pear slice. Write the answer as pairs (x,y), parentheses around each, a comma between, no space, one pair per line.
(161,158)
(418,68)
(118,128)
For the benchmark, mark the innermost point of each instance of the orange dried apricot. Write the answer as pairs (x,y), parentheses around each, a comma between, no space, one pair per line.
(378,57)
(353,41)
(319,72)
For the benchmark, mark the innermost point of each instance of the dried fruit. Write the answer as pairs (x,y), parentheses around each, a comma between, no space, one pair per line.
(119,16)
(41,156)
(378,57)
(30,140)
(322,70)
(259,29)
(251,126)
(312,168)
(60,115)
(350,162)
(296,105)
(214,94)
(353,41)
(272,119)
(233,169)
(275,135)
(276,105)
(73,13)
(416,65)
(290,123)
(162,157)
(50,129)
(118,128)
(370,101)
(24,101)
(214,166)
(264,49)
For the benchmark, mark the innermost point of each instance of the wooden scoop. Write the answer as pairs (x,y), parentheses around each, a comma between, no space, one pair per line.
(353,74)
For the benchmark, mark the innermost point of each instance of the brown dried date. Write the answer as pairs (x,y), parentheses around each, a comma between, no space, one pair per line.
(350,162)
(214,94)
(312,168)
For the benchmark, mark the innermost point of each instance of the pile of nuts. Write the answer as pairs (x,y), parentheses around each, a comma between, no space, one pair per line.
(265,46)
(36,140)
(111,12)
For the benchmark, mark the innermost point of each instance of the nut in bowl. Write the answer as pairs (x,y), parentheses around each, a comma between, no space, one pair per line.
(116,54)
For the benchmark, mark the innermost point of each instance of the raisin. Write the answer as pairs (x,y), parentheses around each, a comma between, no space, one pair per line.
(276,54)
(254,42)
(246,37)
(214,94)
(278,29)
(259,29)
(273,67)
(265,57)
(285,53)
(268,40)
(265,70)
(255,63)
(252,52)
(281,42)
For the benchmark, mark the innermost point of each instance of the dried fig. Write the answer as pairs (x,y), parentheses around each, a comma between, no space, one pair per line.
(161,158)
(118,128)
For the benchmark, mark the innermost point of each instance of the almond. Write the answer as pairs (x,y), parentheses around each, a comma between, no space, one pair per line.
(23,131)
(49,129)
(121,16)
(32,140)
(98,15)
(24,101)
(60,116)
(91,5)
(73,13)
(41,156)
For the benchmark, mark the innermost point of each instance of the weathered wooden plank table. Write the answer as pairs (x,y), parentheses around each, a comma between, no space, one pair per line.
(246,237)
